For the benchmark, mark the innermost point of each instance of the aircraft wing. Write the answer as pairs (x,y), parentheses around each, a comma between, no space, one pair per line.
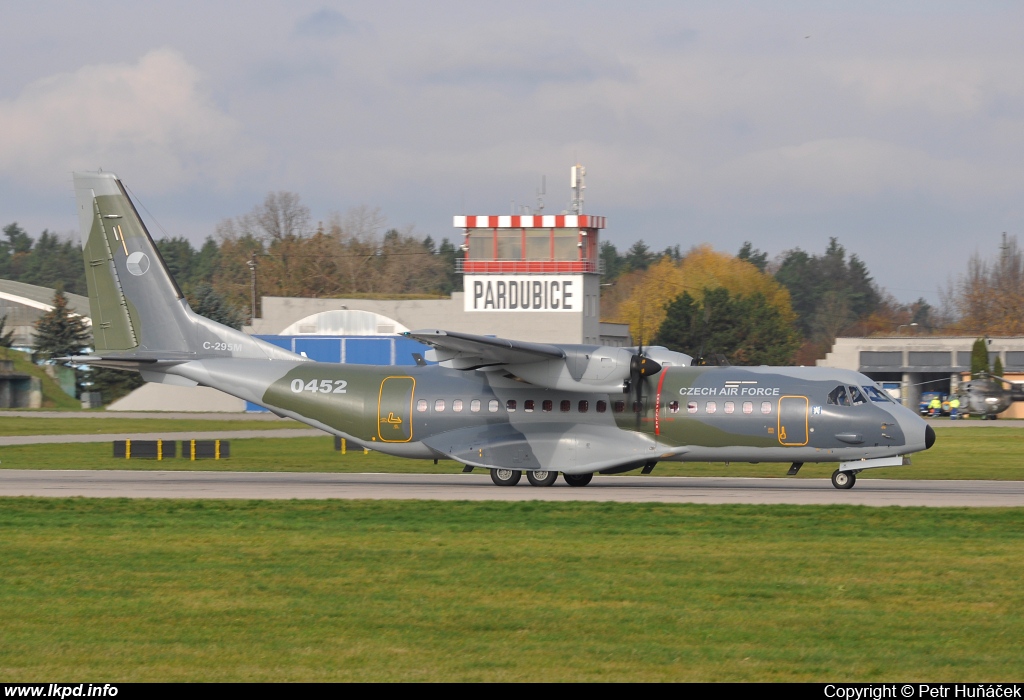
(466,351)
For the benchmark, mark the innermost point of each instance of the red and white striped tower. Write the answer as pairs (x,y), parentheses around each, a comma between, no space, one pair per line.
(535,264)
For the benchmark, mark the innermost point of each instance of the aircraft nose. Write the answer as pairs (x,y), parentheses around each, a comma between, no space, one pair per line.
(929,437)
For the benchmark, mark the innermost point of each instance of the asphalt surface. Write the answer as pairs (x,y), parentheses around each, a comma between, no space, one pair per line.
(478,487)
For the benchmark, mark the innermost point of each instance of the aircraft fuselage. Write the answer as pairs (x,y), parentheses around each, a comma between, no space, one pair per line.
(490,419)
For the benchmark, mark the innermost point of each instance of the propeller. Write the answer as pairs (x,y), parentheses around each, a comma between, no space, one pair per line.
(640,367)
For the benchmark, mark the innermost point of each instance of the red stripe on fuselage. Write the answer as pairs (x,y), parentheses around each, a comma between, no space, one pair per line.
(657,403)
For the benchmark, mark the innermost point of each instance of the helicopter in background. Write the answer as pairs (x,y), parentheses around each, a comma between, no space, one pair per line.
(988,395)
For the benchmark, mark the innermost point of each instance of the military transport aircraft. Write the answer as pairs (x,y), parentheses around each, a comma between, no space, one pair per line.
(503,405)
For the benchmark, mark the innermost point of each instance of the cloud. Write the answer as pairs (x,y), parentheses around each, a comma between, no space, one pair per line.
(519,61)
(149,116)
(326,24)
(827,172)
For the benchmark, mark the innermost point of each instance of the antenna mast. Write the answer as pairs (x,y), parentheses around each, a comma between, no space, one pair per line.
(578,187)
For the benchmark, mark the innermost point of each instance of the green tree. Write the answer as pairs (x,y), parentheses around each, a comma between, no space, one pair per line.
(638,257)
(59,332)
(613,262)
(746,330)
(753,256)
(979,357)
(205,301)
(179,256)
(447,253)
(829,292)
(997,367)
(6,337)
(111,383)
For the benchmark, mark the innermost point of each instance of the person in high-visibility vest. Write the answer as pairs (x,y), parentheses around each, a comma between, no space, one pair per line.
(934,407)
(954,407)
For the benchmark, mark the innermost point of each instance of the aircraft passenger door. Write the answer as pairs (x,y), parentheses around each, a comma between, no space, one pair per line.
(793,420)
(394,409)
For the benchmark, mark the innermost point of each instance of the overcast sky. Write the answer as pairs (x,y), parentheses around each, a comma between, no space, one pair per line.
(897,127)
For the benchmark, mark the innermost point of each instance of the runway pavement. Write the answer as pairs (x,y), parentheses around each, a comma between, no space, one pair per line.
(478,487)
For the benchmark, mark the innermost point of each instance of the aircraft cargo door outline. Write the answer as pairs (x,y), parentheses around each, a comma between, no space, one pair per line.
(394,409)
(793,412)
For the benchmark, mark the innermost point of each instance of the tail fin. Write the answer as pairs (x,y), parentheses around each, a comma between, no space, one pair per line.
(138,311)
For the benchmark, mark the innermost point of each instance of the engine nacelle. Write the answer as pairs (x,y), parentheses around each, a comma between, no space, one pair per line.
(592,368)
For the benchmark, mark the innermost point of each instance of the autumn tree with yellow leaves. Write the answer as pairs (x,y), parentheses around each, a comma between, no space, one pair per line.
(648,293)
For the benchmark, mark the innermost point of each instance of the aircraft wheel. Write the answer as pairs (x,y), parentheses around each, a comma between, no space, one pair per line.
(506,477)
(843,480)
(577,479)
(541,478)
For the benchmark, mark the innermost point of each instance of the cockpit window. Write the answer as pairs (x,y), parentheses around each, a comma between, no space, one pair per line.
(876,395)
(839,397)
(856,396)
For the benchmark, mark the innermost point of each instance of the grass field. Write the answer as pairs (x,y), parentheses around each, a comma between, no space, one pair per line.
(22,425)
(121,590)
(959,453)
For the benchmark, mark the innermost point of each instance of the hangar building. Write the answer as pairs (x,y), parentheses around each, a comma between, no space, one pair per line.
(925,363)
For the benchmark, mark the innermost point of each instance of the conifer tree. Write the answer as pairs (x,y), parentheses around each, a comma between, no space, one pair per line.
(59,332)
(979,357)
(6,337)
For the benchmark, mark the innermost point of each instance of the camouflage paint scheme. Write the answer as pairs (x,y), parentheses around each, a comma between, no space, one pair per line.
(142,321)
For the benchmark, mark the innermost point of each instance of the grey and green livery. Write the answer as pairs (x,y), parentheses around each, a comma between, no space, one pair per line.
(507,406)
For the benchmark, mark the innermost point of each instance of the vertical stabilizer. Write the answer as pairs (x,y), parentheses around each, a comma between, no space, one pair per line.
(137,308)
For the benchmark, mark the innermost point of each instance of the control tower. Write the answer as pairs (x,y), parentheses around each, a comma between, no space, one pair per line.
(544,268)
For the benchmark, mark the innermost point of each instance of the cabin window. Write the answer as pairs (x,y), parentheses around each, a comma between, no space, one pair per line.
(766,407)
(601,406)
(748,407)
(584,406)
(619,406)
(547,406)
(528,405)
(474,405)
(510,405)
(457,405)
(673,407)
(856,396)
(421,405)
(730,406)
(691,407)
(492,405)
(565,406)
(838,397)
(711,406)
(439,405)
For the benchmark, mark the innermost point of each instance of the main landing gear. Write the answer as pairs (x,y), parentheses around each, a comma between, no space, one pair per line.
(511,477)
(844,480)
(506,477)
(541,478)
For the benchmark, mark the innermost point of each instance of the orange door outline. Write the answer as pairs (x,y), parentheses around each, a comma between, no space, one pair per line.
(793,430)
(394,409)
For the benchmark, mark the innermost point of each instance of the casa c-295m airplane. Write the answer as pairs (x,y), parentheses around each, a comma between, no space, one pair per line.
(507,406)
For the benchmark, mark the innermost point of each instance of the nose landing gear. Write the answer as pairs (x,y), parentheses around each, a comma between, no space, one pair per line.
(844,480)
